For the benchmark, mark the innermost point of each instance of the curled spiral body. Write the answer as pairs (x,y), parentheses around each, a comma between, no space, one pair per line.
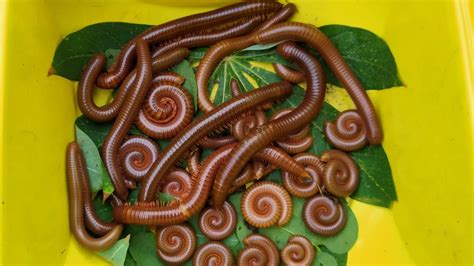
(301,188)
(177,183)
(175,244)
(259,250)
(265,204)
(348,133)
(341,174)
(213,253)
(217,224)
(324,215)
(125,118)
(311,35)
(168,109)
(298,251)
(137,154)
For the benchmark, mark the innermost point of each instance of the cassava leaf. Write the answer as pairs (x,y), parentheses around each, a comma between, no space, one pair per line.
(143,249)
(103,209)
(341,259)
(93,161)
(324,259)
(367,54)
(117,253)
(76,48)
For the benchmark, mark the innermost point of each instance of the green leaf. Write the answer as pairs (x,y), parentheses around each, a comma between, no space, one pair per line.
(197,54)
(259,47)
(185,69)
(111,54)
(340,243)
(76,48)
(129,261)
(98,131)
(376,184)
(94,163)
(341,259)
(324,259)
(143,249)
(266,56)
(117,253)
(367,54)
(103,209)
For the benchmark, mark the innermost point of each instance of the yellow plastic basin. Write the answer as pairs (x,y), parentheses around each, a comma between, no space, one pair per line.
(428,124)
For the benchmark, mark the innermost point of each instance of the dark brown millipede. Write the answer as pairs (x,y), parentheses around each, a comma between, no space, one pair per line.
(85,89)
(213,253)
(324,215)
(348,133)
(217,224)
(125,118)
(201,127)
(76,205)
(167,110)
(315,38)
(299,251)
(174,28)
(175,244)
(259,250)
(276,129)
(136,155)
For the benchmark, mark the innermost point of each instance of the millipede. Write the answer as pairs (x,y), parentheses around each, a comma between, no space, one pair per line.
(159,142)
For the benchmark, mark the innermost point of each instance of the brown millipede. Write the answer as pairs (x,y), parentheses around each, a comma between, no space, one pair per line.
(276,129)
(194,162)
(259,250)
(208,38)
(298,251)
(201,127)
(213,253)
(265,204)
(126,116)
(221,49)
(176,27)
(153,213)
(340,175)
(85,89)
(76,205)
(168,77)
(316,39)
(167,110)
(177,183)
(295,142)
(324,215)
(217,224)
(92,221)
(288,74)
(348,133)
(136,156)
(216,142)
(300,188)
(175,244)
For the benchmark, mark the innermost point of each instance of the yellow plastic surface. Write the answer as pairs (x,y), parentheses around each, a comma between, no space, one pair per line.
(428,124)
